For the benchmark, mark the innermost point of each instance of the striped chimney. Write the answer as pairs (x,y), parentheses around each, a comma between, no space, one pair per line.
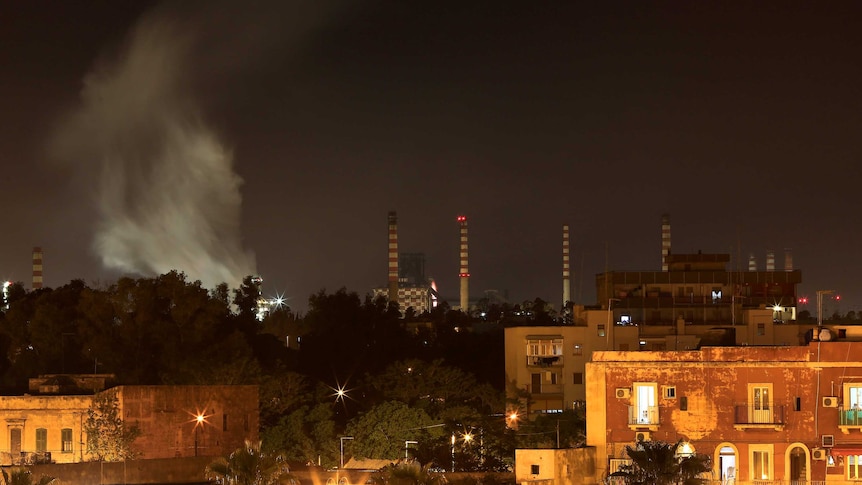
(393,257)
(752,262)
(37,268)
(464,273)
(665,241)
(770,260)
(567,293)
(788,259)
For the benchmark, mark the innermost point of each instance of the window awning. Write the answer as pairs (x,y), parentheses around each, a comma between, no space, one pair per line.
(544,337)
(845,450)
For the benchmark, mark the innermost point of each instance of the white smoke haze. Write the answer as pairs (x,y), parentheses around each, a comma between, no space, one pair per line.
(167,193)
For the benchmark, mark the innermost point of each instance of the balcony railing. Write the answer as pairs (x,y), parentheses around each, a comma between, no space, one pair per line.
(643,417)
(849,417)
(750,416)
(545,360)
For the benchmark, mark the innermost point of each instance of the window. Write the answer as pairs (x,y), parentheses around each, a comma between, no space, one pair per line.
(854,470)
(716,295)
(601,330)
(797,404)
(683,403)
(669,392)
(41,440)
(66,438)
(761,464)
(578,378)
(224,422)
(578,350)
(761,329)
(534,469)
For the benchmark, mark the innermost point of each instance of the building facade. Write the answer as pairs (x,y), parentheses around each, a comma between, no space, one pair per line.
(50,428)
(763,414)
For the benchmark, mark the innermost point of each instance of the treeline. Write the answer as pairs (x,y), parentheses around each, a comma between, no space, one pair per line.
(351,366)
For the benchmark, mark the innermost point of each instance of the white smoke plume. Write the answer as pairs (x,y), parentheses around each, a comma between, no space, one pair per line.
(167,194)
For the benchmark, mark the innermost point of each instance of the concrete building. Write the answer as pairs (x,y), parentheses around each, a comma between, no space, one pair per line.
(48,426)
(764,414)
(692,301)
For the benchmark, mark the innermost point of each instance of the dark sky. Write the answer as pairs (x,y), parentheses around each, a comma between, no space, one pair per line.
(739,119)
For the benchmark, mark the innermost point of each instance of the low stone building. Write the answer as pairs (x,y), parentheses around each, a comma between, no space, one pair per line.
(48,424)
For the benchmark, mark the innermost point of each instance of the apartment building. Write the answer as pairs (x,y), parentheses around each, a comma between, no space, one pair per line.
(764,414)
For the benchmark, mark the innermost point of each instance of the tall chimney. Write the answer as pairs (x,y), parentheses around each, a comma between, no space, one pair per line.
(37,268)
(464,273)
(567,293)
(788,259)
(752,262)
(393,257)
(665,241)
(770,260)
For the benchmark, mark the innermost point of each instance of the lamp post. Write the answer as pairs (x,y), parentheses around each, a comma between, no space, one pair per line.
(341,439)
(453,452)
(199,421)
(406,444)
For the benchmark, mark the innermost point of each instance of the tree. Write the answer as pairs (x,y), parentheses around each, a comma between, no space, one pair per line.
(249,466)
(381,432)
(22,476)
(411,474)
(108,438)
(660,463)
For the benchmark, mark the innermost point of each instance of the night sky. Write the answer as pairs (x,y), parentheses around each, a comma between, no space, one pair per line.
(739,119)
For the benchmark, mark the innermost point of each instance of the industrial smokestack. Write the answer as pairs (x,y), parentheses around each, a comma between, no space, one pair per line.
(567,294)
(788,259)
(665,241)
(770,260)
(393,257)
(464,273)
(37,268)
(752,262)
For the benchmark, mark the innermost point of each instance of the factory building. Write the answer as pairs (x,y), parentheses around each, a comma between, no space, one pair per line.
(408,286)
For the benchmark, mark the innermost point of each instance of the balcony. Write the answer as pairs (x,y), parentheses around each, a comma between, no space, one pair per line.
(643,417)
(747,416)
(849,419)
(544,361)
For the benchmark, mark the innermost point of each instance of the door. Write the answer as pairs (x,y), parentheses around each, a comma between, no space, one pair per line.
(761,411)
(15,442)
(727,465)
(645,399)
(798,465)
(536,383)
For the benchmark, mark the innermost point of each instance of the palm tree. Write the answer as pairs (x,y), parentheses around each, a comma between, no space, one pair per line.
(22,476)
(658,463)
(250,466)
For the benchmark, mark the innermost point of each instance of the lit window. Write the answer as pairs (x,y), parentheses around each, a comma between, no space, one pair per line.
(578,350)
(854,471)
(601,330)
(761,469)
